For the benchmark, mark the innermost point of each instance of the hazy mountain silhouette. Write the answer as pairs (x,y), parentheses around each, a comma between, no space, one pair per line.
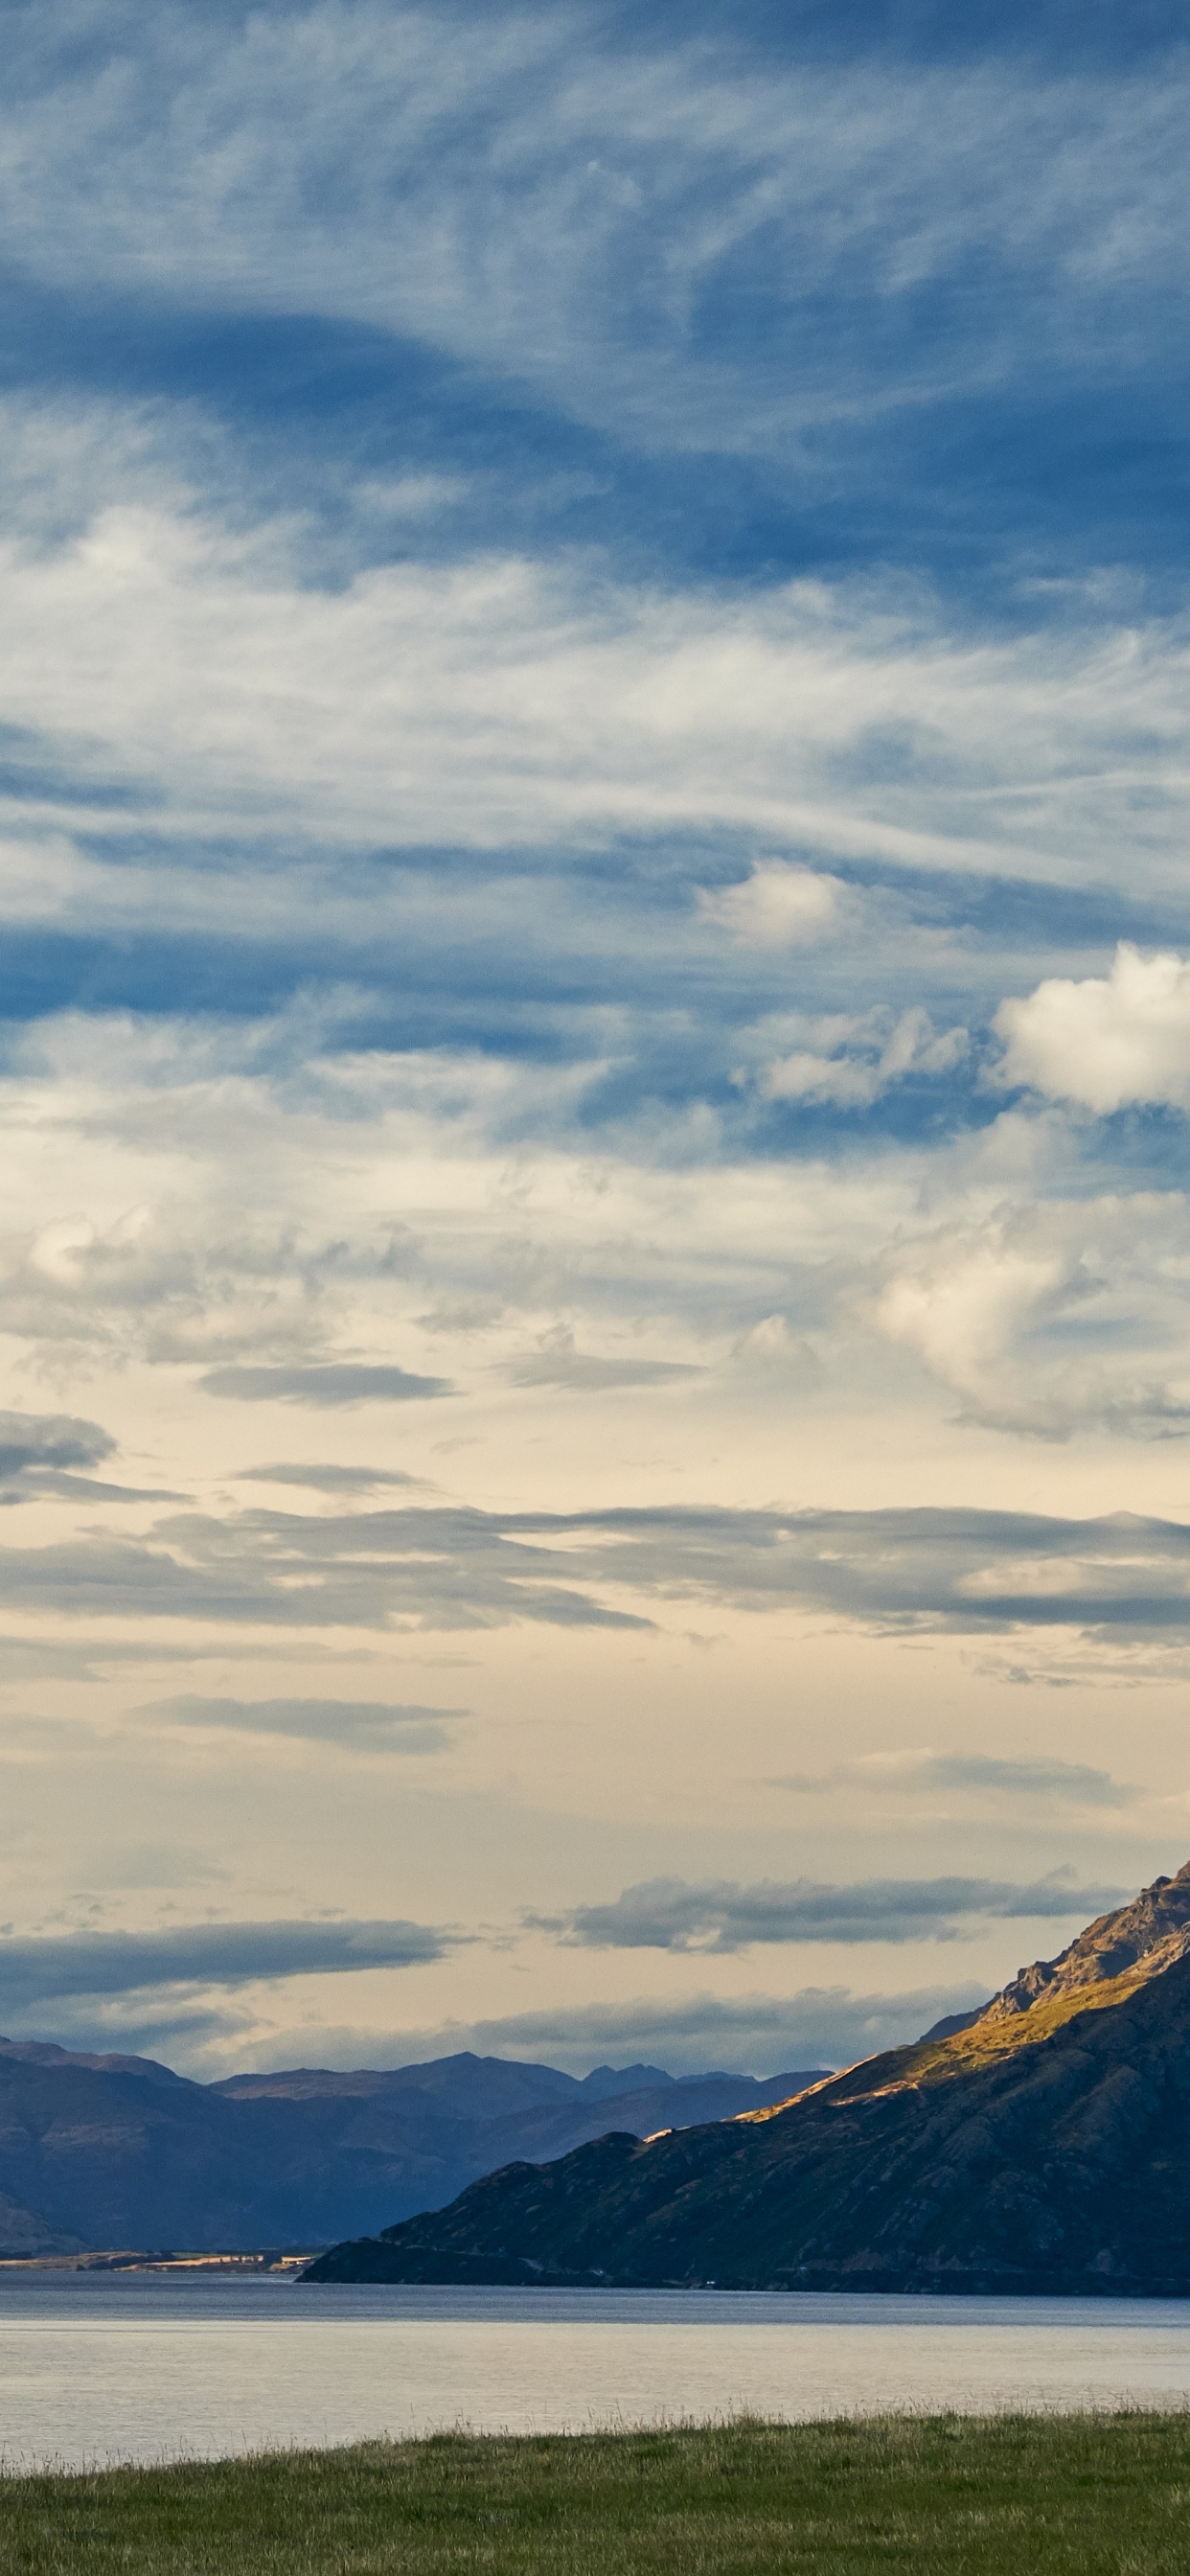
(120,2152)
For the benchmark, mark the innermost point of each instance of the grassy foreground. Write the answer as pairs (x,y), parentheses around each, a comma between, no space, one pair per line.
(1081,2494)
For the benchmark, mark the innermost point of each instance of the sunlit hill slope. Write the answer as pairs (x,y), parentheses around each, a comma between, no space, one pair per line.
(1046,2146)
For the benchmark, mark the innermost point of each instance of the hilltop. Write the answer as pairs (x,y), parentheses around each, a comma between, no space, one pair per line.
(1043,2146)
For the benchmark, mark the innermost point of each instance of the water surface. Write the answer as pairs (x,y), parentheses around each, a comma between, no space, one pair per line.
(97,2368)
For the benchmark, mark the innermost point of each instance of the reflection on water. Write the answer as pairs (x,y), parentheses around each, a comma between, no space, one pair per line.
(94,2368)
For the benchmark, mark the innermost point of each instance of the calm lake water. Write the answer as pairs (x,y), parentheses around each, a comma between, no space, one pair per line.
(95,2369)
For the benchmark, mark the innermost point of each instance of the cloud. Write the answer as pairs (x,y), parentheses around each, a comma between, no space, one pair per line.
(41,1454)
(319,1264)
(851,1081)
(777,906)
(327,1479)
(751,2033)
(569,191)
(442,1568)
(557,1362)
(360,1726)
(957,1571)
(669,1914)
(36,1971)
(173,1281)
(815,2027)
(37,1451)
(35,1440)
(1111,1042)
(150,1865)
(915,1774)
(1048,1317)
(541,605)
(232,694)
(333,1382)
(769,1349)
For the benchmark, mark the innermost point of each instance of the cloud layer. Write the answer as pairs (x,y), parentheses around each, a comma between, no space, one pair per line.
(225,1955)
(445,1567)
(441,1566)
(592,864)
(665,1914)
(364,1726)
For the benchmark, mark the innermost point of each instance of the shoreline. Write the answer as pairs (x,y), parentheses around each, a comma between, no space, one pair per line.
(235,2265)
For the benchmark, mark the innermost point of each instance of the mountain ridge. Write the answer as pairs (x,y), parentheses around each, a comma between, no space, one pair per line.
(1045,2146)
(104,2152)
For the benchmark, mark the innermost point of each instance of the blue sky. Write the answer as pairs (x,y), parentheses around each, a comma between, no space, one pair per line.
(595,1038)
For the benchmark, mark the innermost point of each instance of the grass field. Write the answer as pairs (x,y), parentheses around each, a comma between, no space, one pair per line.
(1079,2494)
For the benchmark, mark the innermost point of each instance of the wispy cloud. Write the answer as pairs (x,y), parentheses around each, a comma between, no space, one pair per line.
(328,1383)
(229,1955)
(853,1080)
(33,1441)
(960,1571)
(426,704)
(756,2033)
(557,1362)
(361,1726)
(1051,1316)
(585,159)
(327,1478)
(47,1454)
(669,1914)
(913,1774)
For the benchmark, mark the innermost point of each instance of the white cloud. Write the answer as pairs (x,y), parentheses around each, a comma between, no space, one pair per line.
(1050,1317)
(777,906)
(188,1195)
(855,1081)
(960,1301)
(1109,1042)
(200,666)
(845,1080)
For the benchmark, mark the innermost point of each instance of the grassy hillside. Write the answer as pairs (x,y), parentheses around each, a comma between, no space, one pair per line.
(1073,2496)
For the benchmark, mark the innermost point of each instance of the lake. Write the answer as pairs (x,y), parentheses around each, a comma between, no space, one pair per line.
(140,2368)
(96,2368)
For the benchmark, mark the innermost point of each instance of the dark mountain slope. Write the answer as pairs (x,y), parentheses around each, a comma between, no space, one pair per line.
(1045,2147)
(120,2152)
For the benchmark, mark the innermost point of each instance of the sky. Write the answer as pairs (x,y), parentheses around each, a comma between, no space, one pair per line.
(594,1019)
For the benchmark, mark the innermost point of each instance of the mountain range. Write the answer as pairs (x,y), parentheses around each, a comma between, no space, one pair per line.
(1043,2144)
(119,2152)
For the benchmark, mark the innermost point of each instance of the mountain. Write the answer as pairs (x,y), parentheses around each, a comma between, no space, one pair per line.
(116,2152)
(1045,2146)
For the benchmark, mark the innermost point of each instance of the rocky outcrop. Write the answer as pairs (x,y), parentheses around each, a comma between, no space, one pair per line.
(1149,1934)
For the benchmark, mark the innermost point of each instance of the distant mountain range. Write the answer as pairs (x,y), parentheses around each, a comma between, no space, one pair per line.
(118,2152)
(1042,2145)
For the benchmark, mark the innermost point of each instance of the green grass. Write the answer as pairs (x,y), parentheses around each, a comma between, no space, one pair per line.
(1077,2494)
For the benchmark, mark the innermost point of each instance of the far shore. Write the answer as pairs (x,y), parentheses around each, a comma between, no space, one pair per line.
(131,2260)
